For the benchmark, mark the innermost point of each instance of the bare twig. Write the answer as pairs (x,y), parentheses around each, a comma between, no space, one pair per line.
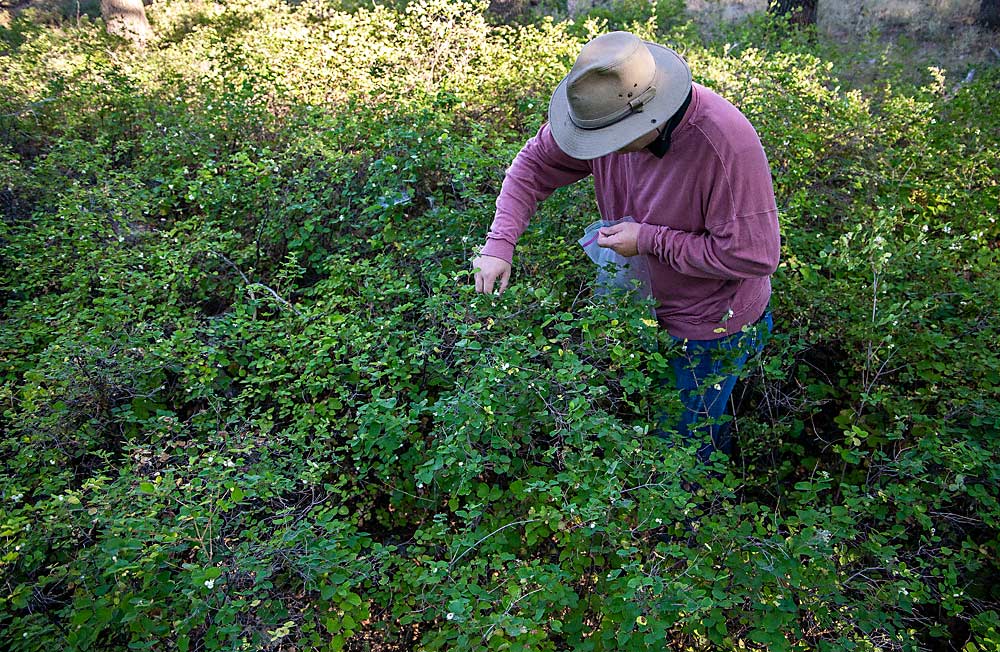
(233,265)
(250,285)
(507,611)
(499,529)
(277,297)
(30,107)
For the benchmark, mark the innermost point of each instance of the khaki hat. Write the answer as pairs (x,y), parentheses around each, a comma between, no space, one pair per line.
(619,89)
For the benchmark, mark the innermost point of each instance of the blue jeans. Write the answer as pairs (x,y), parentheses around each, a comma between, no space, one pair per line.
(705,373)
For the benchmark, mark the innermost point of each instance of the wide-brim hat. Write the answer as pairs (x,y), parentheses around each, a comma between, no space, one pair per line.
(619,89)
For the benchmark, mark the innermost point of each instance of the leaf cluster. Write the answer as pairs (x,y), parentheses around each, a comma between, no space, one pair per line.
(251,400)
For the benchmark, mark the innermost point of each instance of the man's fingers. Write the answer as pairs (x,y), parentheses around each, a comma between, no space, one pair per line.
(607,240)
(488,270)
(488,284)
(504,280)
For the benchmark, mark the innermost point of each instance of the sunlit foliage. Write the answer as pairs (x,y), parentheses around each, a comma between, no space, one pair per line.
(251,401)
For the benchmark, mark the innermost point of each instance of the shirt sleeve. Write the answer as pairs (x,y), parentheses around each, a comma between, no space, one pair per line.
(537,171)
(741,237)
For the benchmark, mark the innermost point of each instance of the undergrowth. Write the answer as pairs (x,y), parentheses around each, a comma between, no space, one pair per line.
(252,401)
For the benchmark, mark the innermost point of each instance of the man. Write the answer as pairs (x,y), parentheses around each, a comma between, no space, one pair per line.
(691,171)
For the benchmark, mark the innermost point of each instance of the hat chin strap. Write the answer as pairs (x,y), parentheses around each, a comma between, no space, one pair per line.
(635,105)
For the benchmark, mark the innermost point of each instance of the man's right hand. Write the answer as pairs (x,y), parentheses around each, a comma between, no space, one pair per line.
(488,271)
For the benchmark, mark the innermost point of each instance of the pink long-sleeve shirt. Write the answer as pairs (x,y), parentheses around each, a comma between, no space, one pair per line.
(707,214)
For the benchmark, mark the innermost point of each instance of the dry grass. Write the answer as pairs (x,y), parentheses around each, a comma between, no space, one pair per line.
(941,33)
(933,18)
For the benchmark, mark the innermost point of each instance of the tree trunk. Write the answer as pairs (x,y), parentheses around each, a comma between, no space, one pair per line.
(989,13)
(802,12)
(127,18)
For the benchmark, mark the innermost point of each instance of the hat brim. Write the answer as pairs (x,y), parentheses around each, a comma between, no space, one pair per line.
(672,81)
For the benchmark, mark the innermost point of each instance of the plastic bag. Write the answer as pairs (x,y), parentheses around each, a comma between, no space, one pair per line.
(615,271)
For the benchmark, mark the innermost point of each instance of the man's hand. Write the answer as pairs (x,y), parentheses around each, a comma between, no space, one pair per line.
(489,271)
(622,238)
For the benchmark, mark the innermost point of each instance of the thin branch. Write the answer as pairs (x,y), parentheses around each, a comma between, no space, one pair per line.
(250,285)
(30,107)
(277,297)
(499,529)
(233,265)
(506,612)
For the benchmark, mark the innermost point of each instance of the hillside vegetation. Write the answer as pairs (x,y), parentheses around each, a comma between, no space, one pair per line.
(251,401)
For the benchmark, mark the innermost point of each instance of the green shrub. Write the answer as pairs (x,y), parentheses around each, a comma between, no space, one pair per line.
(251,400)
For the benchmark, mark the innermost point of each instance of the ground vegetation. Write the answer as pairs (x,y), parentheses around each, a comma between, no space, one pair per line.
(250,399)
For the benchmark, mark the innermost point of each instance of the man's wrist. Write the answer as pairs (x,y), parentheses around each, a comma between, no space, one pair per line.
(498,249)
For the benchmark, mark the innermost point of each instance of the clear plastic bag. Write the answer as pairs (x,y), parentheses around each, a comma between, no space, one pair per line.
(615,271)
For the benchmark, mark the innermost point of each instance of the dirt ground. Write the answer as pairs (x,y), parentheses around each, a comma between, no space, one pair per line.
(939,32)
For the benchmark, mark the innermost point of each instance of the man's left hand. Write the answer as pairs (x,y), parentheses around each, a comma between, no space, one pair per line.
(621,238)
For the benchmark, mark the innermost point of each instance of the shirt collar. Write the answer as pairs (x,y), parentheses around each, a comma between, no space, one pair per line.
(661,145)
